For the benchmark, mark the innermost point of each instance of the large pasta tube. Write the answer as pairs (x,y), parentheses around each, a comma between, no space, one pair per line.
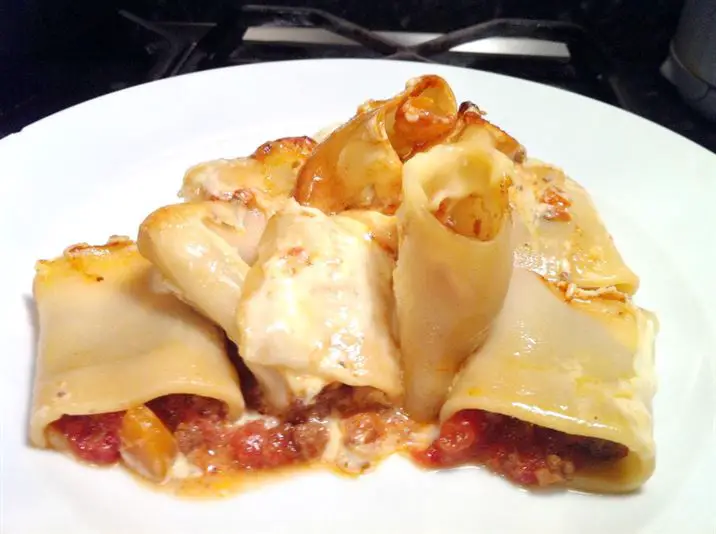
(471,123)
(359,165)
(560,235)
(203,250)
(454,263)
(317,309)
(572,380)
(112,338)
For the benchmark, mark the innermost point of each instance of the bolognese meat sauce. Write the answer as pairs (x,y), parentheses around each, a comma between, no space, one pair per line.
(522,452)
(203,433)
(91,438)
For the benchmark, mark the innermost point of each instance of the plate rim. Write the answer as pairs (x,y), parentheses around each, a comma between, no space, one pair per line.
(278,64)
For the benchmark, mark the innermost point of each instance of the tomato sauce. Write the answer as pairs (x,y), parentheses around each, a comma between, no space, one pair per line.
(558,203)
(204,434)
(527,454)
(215,445)
(92,438)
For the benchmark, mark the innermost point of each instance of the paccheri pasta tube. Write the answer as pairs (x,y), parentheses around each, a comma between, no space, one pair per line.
(560,392)
(454,262)
(205,246)
(112,338)
(201,249)
(359,165)
(317,309)
(560,235)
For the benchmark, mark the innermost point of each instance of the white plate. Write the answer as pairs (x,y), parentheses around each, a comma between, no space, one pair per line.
(98,168)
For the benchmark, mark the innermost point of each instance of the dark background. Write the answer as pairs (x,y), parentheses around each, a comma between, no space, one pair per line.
(631,29)
(56,53)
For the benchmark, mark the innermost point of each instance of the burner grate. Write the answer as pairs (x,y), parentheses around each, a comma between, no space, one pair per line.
(616,67)
(586,70)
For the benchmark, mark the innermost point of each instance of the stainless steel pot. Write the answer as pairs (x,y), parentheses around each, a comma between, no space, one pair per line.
(691,65)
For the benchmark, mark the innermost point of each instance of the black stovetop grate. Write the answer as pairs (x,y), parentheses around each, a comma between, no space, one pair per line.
(141,50)
(192,47)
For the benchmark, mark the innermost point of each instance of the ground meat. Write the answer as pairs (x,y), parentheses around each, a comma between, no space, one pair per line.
(347,400)
(176,409)
(91,438)
(255,446)
(524,453)
(258,446)
(311,439)
(213,443)
(362,428)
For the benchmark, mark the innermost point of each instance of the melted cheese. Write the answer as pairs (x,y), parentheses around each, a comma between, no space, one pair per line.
(449,286)
(264,180)
(183,469)
(110,341)
(583,368)
(317,308)
(576,250)
(383,229)
(356,459)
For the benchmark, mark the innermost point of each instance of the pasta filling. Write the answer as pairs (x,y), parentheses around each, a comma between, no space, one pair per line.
(524,453)
(350,429)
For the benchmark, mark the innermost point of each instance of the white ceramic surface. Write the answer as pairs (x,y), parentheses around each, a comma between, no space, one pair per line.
(98,168)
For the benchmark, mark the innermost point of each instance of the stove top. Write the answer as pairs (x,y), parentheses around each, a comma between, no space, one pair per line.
(135,49)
